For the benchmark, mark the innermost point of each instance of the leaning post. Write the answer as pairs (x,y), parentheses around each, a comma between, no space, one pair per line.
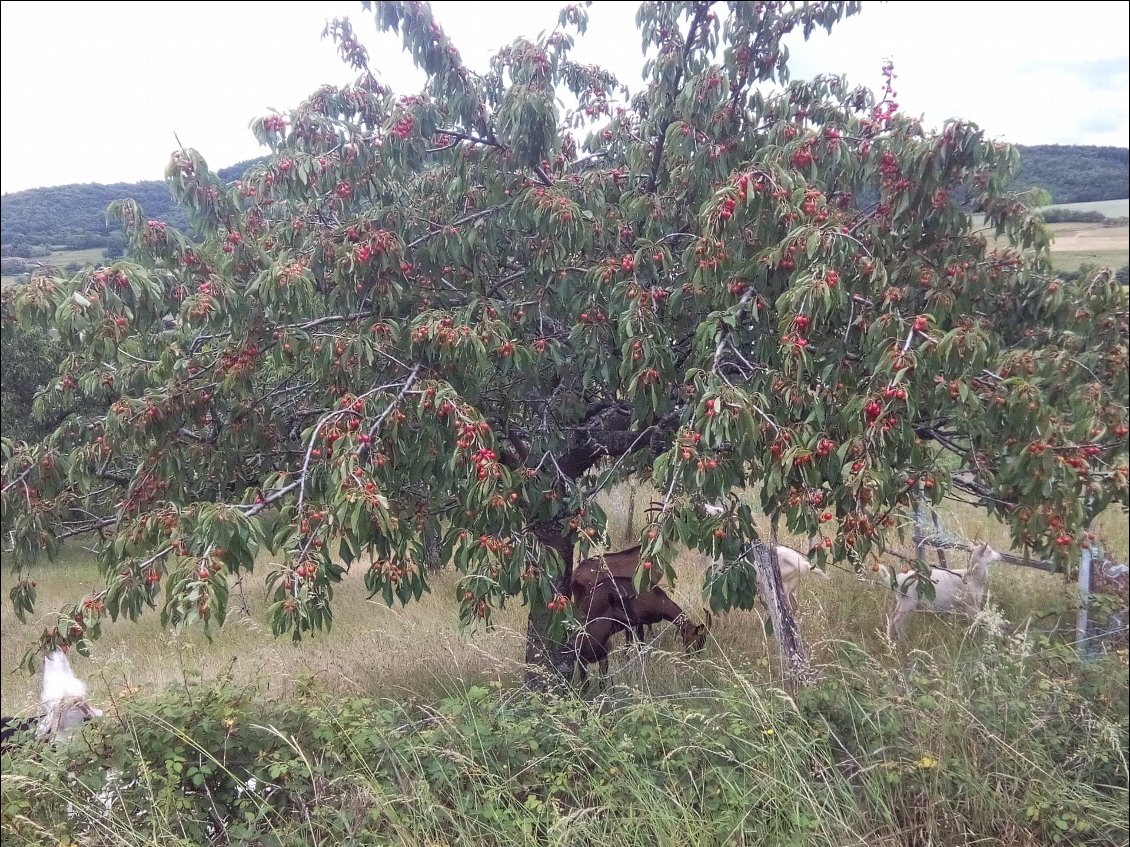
(1081,621)
(794,663)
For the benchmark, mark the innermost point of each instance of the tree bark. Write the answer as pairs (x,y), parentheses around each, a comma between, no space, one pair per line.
(550,663)
(433,549)
(919,537)
(794,663)
(942,562)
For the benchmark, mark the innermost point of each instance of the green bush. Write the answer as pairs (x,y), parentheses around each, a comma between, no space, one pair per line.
(1014,744)
(1072,216)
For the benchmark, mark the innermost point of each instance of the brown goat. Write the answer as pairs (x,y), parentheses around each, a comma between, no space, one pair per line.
(612,606)
(653,605)
(619,565)
(604,612)
(649,607)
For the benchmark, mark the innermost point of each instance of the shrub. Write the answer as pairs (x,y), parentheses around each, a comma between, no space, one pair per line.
(1072,216)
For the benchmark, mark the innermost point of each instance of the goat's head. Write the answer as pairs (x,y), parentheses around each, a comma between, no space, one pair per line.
(983,555)
(694,635)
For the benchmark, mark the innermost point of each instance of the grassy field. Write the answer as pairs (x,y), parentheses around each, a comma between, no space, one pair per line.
(1089,244)
(1079,244)
(418,650)
(89,256)
(61,258)
(1106,208)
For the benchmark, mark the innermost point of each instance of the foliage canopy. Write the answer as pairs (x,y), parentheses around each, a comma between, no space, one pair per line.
(472,309)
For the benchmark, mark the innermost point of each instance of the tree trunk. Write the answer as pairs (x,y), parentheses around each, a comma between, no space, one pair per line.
(550,663)
(433,549)
(942,562)
(919,537)
(793,661)
(630,528)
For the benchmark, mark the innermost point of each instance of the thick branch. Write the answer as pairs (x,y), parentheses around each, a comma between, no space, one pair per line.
(661,137)
(613,439)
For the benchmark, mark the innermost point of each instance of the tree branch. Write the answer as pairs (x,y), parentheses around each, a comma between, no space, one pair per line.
(661,137)
(474,216)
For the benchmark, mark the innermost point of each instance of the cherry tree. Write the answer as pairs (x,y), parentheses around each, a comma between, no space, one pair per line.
(470,310)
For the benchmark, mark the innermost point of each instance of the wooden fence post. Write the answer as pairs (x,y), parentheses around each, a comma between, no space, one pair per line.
(794,663)
(1081,621)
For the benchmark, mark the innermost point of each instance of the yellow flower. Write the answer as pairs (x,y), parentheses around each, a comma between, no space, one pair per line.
(927,762)
(768,731)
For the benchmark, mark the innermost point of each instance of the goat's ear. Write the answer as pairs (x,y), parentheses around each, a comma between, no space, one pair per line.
(707,617)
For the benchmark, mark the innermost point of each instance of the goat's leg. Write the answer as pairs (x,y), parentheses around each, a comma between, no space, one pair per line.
(602,682)
(896,626)
(637,631)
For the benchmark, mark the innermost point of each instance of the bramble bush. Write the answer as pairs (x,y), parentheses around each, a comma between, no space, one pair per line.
(1016,743)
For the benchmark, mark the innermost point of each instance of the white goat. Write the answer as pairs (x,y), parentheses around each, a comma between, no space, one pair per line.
(957,590)
(792,563)
(794,566)
(63,698)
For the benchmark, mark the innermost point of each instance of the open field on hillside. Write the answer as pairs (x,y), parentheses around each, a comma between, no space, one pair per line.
(89,256)
(1107,208)
(1089,244)
(61,258)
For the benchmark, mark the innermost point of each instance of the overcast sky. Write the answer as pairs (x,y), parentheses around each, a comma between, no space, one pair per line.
(94,92)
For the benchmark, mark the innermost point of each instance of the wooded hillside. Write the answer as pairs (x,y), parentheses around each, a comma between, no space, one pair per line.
(1077,174)
(72,217)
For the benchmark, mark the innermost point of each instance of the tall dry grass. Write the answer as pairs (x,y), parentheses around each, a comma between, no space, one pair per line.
(417,651)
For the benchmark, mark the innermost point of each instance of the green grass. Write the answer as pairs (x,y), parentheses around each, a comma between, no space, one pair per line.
(1075,259)
(365,649)
(999,743)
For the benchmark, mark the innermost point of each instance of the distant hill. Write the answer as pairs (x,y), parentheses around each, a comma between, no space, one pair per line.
(1076,174)
(73,217)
